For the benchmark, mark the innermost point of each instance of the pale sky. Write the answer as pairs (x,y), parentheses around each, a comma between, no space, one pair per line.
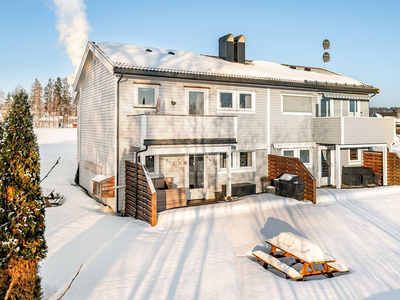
(364,35)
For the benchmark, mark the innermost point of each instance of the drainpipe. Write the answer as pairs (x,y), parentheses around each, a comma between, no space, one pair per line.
(117,145)
(136,183)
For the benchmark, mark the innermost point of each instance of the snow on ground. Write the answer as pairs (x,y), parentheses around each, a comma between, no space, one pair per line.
(205,252)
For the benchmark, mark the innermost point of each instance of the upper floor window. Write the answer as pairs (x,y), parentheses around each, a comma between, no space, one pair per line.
(354,108)
(196,101)
(238,101)
(296,104)
(325,108)
(226,100)
(146,95)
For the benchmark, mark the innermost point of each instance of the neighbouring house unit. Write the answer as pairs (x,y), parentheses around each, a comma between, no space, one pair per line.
(211,121)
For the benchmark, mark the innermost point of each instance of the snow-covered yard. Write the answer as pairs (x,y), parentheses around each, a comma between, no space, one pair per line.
(205,252)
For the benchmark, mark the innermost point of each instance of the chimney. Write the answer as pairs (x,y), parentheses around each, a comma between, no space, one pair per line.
(226,47)
(239,52)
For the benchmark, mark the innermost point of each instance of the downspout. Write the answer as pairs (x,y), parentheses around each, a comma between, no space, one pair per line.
(117,146)
(137,174)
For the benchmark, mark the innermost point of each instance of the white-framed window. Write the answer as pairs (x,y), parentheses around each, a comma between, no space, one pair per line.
(326,108)
(297,104)
(152,163)
(303,154)
(196,101)
(354,108)
(146,95)
(237,101)
(354,156)
(222,161)
(244,161)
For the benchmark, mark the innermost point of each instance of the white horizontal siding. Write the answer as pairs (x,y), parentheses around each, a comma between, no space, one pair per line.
(96,122)
(369,130)
(189,127)
(290,127)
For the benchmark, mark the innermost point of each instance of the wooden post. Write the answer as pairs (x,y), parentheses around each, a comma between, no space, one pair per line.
(338,168)
(384,166)
(228,173)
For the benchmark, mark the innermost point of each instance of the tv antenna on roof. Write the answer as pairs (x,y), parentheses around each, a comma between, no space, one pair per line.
(326,56)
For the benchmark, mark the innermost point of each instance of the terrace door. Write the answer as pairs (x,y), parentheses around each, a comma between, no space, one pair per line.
(326,167)
(196,103)
(197,176)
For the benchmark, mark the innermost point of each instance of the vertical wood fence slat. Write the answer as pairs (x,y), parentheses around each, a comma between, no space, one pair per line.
(373,160)
(147,197)
(278,165)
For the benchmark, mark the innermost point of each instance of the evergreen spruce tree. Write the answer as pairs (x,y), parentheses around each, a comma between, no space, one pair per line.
(7,101)
(57,100)
(22,207)
(48,101)
(36,102)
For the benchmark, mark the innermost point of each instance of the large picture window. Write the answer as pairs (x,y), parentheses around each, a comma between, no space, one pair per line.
(296,104)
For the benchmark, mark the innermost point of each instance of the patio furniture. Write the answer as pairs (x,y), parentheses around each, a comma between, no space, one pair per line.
(51,198)
(241,189)
(168,196)
(314,260)
(359,176)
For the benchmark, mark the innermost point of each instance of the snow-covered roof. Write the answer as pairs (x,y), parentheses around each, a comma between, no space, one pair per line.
(179,61)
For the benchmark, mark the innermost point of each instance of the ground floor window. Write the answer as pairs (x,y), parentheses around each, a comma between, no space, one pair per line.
(354,154)
(240,161)
(303,154)
(150,164)
(246,159)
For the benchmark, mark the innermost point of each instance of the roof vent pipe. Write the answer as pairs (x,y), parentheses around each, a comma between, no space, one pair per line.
(239,52)
(226,47)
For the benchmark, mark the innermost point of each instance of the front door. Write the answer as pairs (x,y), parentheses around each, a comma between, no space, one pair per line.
(197,177)
(326,167)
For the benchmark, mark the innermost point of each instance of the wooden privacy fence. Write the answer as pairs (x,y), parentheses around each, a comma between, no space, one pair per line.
(144,206)
(278,165)
(393,168)
(373,160)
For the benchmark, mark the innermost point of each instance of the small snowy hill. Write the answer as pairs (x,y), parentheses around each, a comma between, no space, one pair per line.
(205,252)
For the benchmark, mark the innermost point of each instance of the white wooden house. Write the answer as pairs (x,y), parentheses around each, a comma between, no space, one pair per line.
(218,117)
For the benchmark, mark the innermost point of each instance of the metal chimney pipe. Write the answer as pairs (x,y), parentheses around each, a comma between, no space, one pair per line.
(239,52)
(226,47)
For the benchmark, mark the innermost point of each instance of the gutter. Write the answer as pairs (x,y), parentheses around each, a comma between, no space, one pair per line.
(136,183)
(117,144)
(306,84)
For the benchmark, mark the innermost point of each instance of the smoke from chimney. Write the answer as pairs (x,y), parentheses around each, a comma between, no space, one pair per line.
(73,27)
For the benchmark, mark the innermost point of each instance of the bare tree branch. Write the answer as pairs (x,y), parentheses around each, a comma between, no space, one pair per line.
(71,282)
(50,170)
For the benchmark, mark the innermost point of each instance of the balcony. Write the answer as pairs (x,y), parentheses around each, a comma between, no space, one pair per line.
(354,130)
(184,129)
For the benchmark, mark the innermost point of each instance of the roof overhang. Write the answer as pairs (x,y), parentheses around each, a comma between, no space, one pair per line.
(284,146)
(344,96)
(306,84)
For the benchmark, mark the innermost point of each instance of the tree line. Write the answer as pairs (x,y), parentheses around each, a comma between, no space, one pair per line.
(51,105)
